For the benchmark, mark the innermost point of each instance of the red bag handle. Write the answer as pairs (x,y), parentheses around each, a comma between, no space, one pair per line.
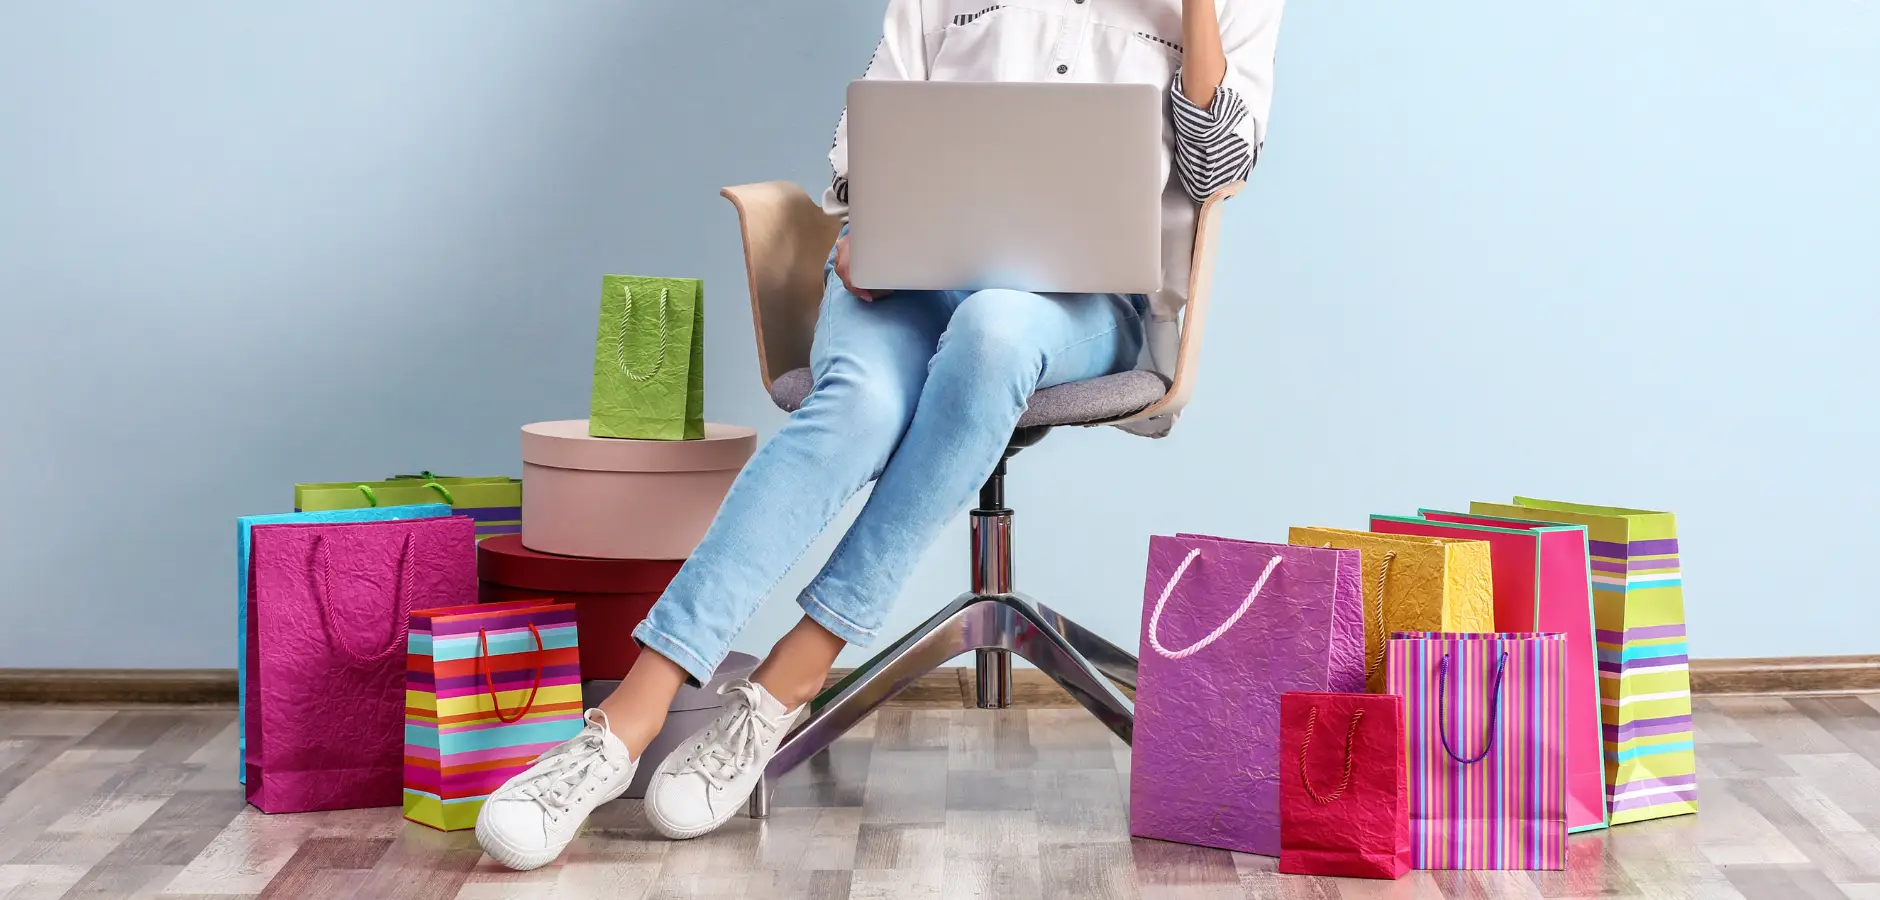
(489,684)
(1305,746)
(401,601)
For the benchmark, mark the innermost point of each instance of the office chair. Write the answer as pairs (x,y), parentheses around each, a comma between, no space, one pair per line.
(787,237)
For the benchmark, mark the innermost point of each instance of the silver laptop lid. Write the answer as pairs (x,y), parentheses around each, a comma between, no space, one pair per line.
(1039,187)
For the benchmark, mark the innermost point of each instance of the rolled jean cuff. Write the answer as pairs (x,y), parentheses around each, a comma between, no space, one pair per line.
(697,670)
(835,623)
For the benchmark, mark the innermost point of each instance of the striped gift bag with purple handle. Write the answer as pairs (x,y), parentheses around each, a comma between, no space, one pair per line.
(1485,729)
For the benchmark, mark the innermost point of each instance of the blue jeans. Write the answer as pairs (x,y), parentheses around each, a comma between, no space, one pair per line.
(918,391)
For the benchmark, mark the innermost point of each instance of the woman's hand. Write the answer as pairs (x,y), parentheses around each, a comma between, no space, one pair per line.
(842,271)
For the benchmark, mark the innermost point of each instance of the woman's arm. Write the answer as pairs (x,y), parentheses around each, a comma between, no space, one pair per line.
(1220,96)
(1204,63)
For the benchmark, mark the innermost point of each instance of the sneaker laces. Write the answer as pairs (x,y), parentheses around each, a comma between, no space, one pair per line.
(559,774)
(721,759)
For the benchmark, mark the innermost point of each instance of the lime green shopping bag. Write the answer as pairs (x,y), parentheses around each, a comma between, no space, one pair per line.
(494,502)
(649,361)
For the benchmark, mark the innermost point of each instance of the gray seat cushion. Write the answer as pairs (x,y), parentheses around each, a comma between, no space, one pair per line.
(1090,402)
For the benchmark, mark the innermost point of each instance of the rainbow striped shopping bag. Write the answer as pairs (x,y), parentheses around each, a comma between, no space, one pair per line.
(488,688)
(1644,662)
(1485,726)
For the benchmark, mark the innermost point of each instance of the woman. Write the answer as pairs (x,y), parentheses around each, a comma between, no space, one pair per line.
(917,391)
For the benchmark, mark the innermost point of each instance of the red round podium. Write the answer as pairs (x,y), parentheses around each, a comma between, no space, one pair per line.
(610,596)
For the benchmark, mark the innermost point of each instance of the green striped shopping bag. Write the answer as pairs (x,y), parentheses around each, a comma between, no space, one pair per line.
(494,503)
(1644,662)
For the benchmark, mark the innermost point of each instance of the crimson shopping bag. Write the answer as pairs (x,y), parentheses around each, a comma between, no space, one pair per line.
(1343,806)
(328,614)
(244,528)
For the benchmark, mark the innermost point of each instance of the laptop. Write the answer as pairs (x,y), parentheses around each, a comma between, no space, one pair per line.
(1035,187)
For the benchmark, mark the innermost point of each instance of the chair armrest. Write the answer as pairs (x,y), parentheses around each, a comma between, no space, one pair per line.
(787,237)
(1195,317)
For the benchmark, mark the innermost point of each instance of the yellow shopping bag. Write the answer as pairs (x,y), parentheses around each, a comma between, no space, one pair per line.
(1413,583)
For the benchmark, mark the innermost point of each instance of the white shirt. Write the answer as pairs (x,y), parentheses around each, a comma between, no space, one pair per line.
(1102,41)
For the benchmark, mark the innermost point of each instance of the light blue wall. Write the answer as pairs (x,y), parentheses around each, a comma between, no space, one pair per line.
(1622,252)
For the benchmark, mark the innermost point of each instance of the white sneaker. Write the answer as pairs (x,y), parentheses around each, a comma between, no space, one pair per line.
(709,777)
(530,820)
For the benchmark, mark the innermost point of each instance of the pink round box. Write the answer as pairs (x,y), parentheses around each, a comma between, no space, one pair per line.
(611,498)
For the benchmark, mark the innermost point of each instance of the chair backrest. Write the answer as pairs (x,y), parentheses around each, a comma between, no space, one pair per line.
(1195,314)
(787,237)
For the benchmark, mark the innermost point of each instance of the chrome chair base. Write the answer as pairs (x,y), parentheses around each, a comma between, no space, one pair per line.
(991,627)
(992,622)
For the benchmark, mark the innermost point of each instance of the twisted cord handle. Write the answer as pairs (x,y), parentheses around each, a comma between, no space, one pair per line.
(1155,617)
(620,336)
(1442,710)
(401,600)
(1351,736)
(1378,641)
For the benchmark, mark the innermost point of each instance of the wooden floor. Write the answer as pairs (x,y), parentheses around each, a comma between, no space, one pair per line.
(919,803)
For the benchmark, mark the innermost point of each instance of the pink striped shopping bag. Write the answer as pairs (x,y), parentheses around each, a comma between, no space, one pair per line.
(1485,731)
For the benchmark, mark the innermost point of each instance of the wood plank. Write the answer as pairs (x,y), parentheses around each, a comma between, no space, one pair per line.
(1088,871)
(179,831)
(1079,807)
(38,882)
(308,872)
(992,853)
(1180,872)
(246,855)
(122,882)
(1784,882)
(422,864)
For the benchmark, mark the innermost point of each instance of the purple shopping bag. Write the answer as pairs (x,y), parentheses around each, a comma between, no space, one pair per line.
(328,612)
(1227,628)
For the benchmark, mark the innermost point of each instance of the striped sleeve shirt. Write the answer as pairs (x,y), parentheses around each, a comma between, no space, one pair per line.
(1212,147)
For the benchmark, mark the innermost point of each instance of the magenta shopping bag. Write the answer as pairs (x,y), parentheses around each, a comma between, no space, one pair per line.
(1227,628)
(328,611)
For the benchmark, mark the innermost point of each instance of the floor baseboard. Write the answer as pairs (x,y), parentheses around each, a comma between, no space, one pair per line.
(1786,675)
(946,688)
(118,687)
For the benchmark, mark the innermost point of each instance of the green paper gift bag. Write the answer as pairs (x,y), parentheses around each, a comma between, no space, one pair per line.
(649,362)
(494,502)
